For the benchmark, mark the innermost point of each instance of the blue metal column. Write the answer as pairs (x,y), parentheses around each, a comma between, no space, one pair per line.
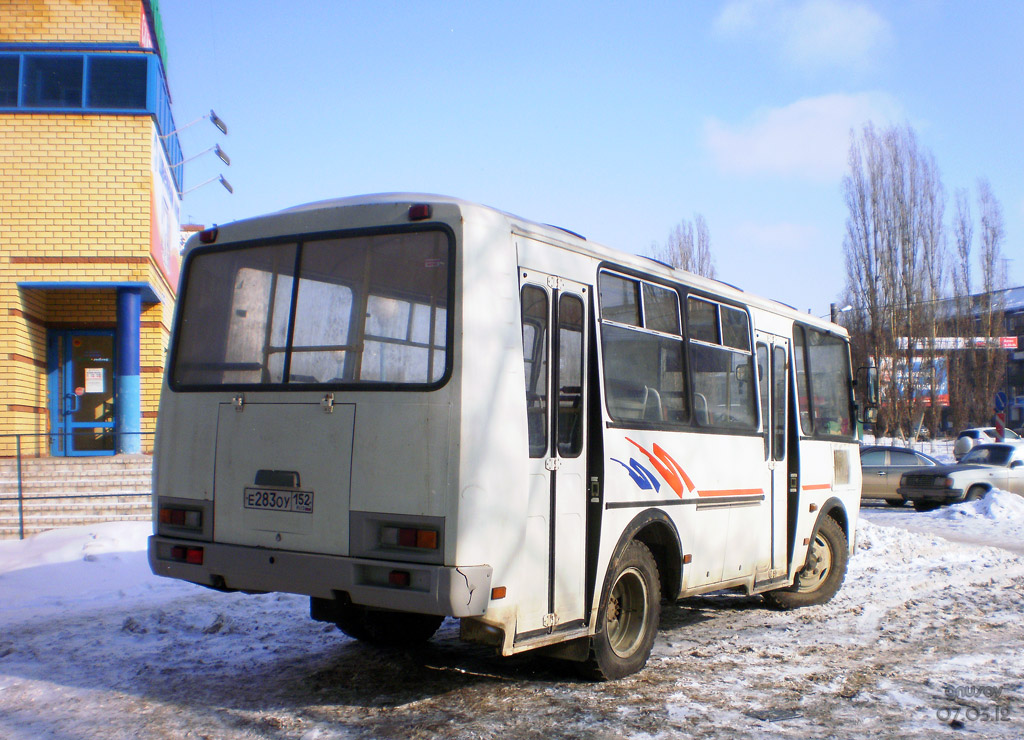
(128,388)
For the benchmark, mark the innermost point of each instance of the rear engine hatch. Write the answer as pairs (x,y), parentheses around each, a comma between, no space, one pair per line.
(283,475)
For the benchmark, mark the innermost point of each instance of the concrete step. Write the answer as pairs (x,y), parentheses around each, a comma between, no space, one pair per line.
(64,492)
(49,487)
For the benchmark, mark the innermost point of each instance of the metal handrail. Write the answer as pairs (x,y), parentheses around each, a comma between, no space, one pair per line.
(20,498)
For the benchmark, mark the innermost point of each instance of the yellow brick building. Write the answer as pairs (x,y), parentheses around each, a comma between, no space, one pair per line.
(90,172)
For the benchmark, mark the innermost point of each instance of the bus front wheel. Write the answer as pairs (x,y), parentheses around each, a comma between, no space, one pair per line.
(823,572)
(628,616)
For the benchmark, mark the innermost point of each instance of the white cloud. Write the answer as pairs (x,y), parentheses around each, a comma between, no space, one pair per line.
(810,34)
(809,138)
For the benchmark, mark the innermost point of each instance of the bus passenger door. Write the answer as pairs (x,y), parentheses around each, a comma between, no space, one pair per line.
(552,563)
(772,354)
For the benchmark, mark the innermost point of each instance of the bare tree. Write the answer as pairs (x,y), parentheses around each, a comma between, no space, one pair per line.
(961,389)
(992,365)
(934,260)
(688,247)
(893,249)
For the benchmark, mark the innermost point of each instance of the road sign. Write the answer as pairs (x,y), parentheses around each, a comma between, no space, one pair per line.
(1000,401)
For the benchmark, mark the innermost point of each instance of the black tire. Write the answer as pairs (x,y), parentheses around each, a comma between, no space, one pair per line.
(895,503)
(628,616)
(974,493)
(386,628)
(823,572)
(925,506)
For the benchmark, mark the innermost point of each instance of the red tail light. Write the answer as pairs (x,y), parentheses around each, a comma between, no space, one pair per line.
(419,212)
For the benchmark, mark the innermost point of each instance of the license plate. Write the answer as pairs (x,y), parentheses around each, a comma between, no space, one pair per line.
(273,499)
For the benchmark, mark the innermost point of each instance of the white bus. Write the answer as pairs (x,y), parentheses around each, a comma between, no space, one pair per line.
(413,407)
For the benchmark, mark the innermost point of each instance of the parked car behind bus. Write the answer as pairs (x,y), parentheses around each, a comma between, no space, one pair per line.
(881,467)
(985,467)
(969,438)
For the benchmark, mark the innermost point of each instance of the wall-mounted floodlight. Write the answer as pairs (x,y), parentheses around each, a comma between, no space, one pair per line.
(214,119)
(223,127)
(221,154)
(219,178)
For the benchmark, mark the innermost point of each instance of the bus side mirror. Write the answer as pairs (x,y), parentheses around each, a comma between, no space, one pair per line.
(867,382)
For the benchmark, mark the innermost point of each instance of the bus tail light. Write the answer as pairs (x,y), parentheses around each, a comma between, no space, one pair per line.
(399,578)
(177,517)
(190,555)
(421,539)
(419,212)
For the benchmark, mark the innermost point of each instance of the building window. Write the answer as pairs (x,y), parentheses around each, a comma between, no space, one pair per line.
(9,70)
(102,83)
(117,82)
(52,81)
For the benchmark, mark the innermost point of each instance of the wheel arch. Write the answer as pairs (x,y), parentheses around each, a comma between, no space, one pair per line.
(983,486)
(835,509)
(658,533)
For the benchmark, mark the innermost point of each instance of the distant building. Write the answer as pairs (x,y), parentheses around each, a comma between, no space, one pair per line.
(1013,311)
(1011,302)
(90,176)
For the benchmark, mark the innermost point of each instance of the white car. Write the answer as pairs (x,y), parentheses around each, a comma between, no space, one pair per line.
(968,438)
(985,467)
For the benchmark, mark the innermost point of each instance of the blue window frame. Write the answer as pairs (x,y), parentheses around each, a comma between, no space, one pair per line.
(117,82)
(10,69)
(55,80)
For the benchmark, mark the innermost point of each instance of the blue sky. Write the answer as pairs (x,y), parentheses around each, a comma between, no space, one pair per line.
(615,120)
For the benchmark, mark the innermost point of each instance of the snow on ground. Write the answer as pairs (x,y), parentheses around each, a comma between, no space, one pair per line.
(924,640)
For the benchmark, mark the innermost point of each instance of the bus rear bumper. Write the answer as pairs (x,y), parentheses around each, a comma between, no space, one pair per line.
(455,591)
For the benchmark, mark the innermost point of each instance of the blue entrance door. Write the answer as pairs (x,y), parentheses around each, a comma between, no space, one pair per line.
(82,405)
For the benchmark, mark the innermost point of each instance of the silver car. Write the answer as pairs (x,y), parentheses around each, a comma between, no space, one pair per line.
(985,467)
(969,438)
(881,467)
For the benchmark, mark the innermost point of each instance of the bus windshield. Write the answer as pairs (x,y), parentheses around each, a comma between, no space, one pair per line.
(364,309)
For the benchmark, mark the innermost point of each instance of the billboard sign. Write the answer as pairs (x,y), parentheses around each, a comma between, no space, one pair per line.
(164,219)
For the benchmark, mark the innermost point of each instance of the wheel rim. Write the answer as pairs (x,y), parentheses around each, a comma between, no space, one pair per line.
(819,565)
(627,613)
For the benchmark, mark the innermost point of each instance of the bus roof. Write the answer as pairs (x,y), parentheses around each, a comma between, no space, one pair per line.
(570,240)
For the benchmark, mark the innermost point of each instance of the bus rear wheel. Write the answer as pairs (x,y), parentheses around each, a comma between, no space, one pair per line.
(386,628)
(628,617)
(823,572)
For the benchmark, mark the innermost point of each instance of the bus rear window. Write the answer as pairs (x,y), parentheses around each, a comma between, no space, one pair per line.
(364,309)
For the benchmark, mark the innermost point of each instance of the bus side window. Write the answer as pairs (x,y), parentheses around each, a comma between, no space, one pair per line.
(535,366)
(570,375)
(762,378)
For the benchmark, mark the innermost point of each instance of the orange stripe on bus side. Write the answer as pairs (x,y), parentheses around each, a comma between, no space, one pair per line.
(818,487)
(733,492)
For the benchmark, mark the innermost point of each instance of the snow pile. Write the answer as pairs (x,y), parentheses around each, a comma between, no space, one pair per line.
(996,519)
(67,545)
(996,506)
(91,566)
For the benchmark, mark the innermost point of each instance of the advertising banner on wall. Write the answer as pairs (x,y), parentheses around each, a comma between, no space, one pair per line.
(919,381)
(164,242)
